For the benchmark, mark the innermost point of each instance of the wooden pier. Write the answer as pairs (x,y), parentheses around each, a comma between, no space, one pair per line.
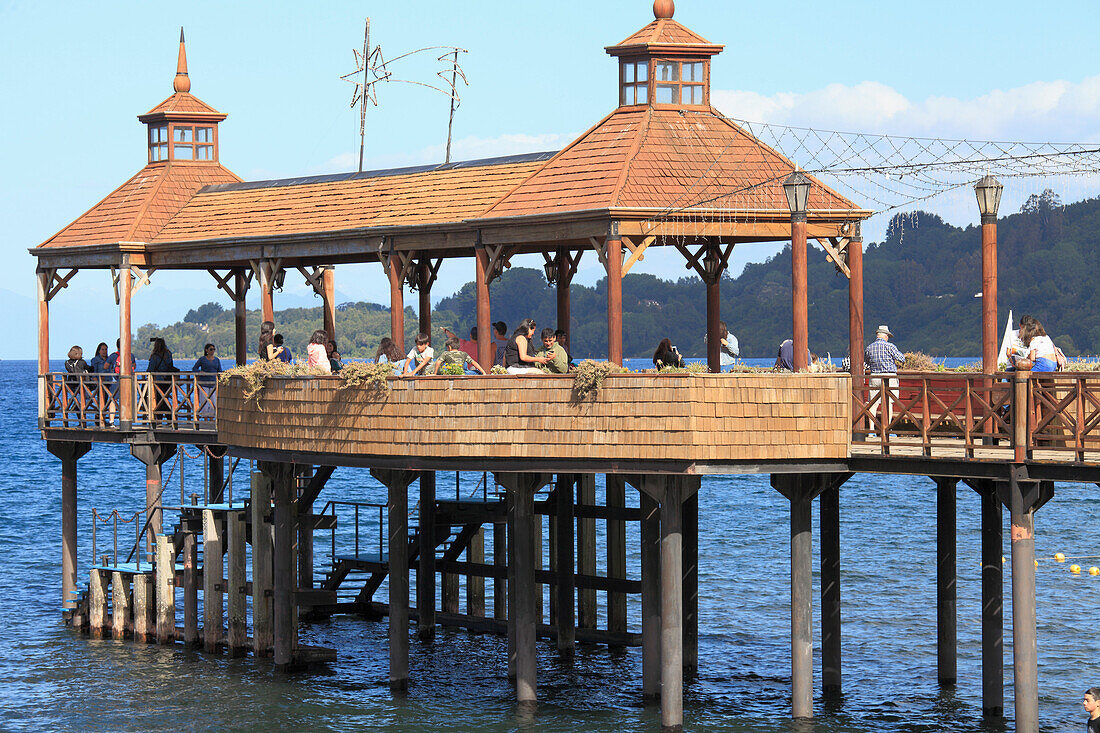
(627,184)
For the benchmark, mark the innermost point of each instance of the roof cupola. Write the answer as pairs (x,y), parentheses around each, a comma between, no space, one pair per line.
(664,64)
(182,127)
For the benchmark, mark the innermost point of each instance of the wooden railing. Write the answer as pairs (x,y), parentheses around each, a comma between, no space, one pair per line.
(176,401)
(1016,412)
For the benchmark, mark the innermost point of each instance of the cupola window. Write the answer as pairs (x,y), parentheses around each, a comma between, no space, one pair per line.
(635,82)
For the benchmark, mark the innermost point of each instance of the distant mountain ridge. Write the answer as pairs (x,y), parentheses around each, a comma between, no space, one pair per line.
(921,281)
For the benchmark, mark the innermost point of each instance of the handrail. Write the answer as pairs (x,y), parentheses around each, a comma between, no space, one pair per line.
(1055,411)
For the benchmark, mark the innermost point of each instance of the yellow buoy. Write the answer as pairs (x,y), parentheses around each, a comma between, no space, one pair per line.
(1059,557)
(1094,570)
(1075,569)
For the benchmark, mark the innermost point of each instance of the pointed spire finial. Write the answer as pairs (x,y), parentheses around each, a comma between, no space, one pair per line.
(664,9)
(182,82)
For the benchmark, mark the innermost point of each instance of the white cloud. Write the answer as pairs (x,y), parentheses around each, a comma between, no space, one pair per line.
(1058,110)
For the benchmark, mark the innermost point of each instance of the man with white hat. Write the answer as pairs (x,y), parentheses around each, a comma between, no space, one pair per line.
(882,357)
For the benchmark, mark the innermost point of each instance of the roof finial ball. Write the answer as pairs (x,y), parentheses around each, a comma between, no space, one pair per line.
(182,82)
(663,9)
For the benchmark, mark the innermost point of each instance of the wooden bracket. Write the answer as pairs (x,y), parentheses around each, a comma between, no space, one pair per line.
(53,282)
(836,251)
(500,259)
(141,278)
(637,252)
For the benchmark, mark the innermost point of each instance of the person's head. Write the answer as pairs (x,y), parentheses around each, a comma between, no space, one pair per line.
(76,353)
(549,337)
(277,339)
(209,351)
(101,350)
(423,341)
(473,333)
(1092,700)
(722,330)
(562,337)
(883,333)
(451,344)
(159,347)
(501,329)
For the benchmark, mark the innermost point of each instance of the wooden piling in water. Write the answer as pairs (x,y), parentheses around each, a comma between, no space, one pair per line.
(213,569)
(145,617)
(586,551)
(262,551)
(190,590)
(166,591)
(616,552)
(237,637)
(121,623)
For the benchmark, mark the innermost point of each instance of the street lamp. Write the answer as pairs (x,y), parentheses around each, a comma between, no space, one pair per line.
(988,191)
(797,189)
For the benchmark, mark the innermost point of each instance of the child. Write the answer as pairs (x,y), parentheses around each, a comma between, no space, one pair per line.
(282,353)
(454,355)
(559,360)
(1092,707)
(419,356)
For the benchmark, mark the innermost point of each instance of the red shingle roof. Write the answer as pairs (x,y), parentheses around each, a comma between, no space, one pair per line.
(136,210)
(665,159)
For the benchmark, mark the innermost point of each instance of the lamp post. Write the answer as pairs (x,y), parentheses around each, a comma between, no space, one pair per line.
(988,191)
(797,189)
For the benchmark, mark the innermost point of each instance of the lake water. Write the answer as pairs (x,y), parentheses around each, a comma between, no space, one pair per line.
(56,679)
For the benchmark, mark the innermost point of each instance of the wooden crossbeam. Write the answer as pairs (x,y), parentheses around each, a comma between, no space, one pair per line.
(836,252)
(637,253)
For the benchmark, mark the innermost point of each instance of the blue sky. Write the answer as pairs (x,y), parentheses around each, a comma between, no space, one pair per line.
(73,76)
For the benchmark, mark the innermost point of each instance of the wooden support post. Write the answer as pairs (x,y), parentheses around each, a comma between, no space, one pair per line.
(691,574)
(672,608)
(523,530)
(500,582)
(237,638)
(564,562)
(267,289)
(425,576)
(69,453)
(616,552)
(121,625)
(475,585)
(989,293)
(145,606)
(240,317)
(855,306)
(613,251)
(262,551)
(213,574)
(829,509)
(126,368)
(1025,661)
(586,551)
(651,597)
(98,581)
(397,302)
(190,558)
(946,579)
(284,585)
(485,348)
(215,469)
(166,591)
(328,298)
(993,705)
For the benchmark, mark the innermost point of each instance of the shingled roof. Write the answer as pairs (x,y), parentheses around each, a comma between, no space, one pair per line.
(654,158)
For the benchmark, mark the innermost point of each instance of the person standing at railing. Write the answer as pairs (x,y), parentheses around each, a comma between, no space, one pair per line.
(884,358)
(208,363)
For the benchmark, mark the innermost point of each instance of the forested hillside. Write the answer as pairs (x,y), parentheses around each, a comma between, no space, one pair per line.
(922,281)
